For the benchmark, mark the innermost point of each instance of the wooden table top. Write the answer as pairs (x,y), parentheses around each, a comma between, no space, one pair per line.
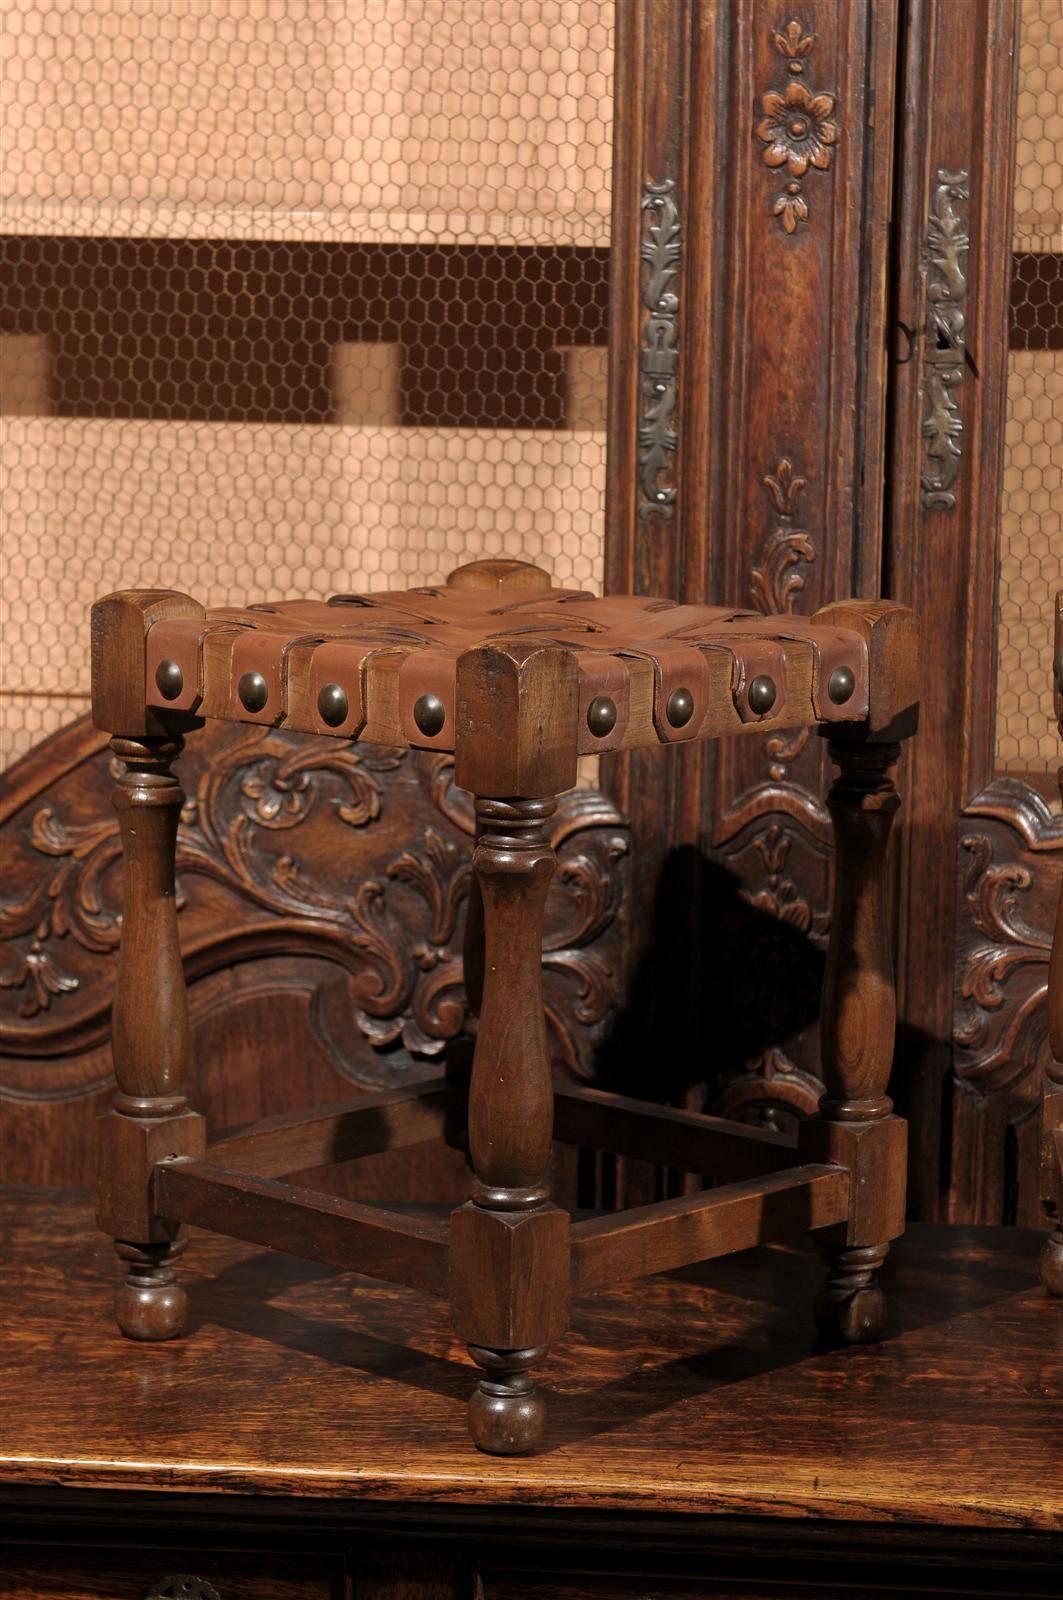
(698,1392)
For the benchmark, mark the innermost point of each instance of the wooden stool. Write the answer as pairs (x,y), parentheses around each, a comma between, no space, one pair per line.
(1052,1101)
(517,679)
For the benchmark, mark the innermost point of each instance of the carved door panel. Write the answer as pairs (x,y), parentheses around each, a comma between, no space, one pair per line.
(815,224)
(751,199)
(976,543)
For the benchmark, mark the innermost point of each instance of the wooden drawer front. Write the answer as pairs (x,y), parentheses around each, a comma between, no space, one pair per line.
(57,1573)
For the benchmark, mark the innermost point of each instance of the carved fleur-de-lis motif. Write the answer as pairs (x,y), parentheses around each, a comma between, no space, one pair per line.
(41,976)
(791,208)
(784,486)
(780,896)
(793,42)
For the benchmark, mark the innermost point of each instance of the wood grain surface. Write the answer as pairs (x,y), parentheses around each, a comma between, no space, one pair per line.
(699,1392)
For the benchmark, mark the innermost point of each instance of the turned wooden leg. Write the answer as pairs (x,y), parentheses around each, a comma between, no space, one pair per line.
(459,1053)
(1052,1127)
(150,1120)
(1052,1116)
(855,1126)
(1052,1094)
(509,1245)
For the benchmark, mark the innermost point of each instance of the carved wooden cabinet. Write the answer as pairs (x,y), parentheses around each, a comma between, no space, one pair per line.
(834,276)
(836,336)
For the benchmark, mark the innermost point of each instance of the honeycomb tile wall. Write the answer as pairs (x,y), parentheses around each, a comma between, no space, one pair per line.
(411,120)
(1031,530)
(1039,148)
(295,295)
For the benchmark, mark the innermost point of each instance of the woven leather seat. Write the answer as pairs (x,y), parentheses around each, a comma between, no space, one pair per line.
(384,666)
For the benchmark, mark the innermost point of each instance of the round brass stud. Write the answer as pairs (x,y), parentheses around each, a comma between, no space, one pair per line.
(680,707)
(332,704)
(429,713)
(253,691)
(762,692)
(601,716)
(841,684)
(169,679)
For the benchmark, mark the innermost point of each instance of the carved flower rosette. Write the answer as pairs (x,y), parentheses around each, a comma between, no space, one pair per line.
(797,127)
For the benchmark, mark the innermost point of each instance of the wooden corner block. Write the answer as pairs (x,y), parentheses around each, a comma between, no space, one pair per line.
(120,623)
(127,1149)
(499,575)
(517,719)
(891,632)
(509,1276)
(876,1155)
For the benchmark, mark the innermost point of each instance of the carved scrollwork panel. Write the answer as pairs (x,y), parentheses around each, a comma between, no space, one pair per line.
(1010,876)
(302,847)
(1007,896)
(1011,866)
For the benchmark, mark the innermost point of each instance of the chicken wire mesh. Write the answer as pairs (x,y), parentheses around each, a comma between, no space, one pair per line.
(295,296)
(1031,530)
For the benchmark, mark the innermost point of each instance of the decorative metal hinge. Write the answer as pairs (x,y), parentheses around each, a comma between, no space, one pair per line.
(947,244)
(659,354)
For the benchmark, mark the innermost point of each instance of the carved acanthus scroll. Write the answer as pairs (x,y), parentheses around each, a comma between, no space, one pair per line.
(356,854)
(659,355)
(776,579)
(1004,978)
(780,896)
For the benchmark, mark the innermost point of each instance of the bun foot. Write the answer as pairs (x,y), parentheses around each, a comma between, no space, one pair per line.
(851,1307)
(150,1304)
(1052,1263)
(507,1414)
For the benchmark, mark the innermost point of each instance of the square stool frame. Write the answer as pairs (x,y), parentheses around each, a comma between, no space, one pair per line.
(509,1259)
